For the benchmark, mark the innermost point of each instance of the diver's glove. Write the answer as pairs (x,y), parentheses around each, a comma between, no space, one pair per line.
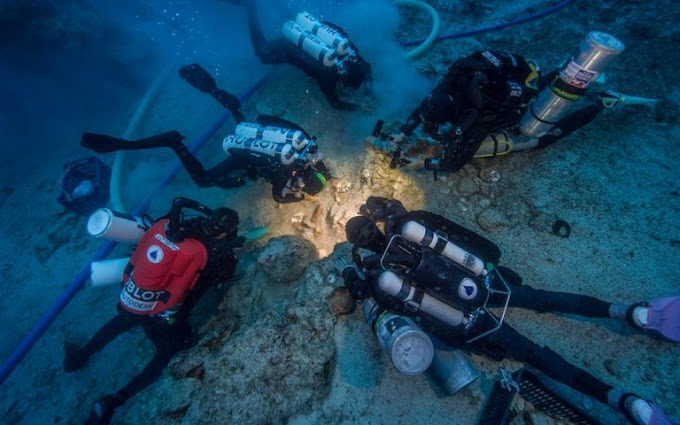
(354,279)
(344,268)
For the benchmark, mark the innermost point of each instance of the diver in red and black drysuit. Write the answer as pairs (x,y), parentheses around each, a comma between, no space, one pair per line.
(173,265)
(445,276)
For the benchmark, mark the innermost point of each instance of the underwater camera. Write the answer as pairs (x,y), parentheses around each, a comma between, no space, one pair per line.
(397,160)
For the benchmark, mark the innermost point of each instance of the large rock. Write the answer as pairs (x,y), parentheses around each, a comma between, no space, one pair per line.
(285,258)
(274,366)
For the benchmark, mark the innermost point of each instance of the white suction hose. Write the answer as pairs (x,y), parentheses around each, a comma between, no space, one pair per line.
(116,169)
(433,32)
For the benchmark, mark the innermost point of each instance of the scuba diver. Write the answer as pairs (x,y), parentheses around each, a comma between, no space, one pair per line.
(427,269)
(320,49)
(175,262)
(274,149)
(484,105)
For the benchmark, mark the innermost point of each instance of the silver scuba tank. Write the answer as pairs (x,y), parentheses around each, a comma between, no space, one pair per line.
(580,71)
(272,134)
(326,33)
(285,153)
(310,44)
(393,285)
(409,348)
(416,232)
(452,370)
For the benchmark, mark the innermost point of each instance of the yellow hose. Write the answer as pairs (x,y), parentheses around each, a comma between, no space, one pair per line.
(116,169)
(435,26)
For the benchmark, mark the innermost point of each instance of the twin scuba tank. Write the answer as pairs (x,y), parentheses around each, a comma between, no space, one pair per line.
(283,145)
(451,281)
(408,347)
(326,44)
(117,227)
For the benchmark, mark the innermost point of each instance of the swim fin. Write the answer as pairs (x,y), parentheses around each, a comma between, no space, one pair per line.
(198,77)
(102,143)
(664,317)
(280,122)
(611,98)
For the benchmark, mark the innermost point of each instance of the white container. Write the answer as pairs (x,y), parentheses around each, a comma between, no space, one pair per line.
(107,272)
(115,226)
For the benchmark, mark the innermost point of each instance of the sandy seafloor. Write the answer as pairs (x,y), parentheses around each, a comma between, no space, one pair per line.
(615,182)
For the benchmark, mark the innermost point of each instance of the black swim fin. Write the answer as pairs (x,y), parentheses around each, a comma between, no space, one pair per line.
(102,143)
(198,77)
(280,122)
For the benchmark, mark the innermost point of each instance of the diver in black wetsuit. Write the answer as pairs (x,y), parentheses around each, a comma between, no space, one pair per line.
(443,275)
(485,93)
(351,72)
(307,174)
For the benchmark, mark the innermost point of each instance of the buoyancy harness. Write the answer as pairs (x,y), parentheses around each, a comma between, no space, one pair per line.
(161,273)
(441,273)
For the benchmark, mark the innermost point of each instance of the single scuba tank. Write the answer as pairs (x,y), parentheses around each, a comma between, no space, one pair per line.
(325,32)
(108,272)
(452,370)
(272,134)
(115,226)
(409,348)
(310,44)
(279,151)
(393,285)
(416,232)
(580,71)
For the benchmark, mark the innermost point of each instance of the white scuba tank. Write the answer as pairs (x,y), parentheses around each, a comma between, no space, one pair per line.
(392,284)
(115,226)
(279,151)
(325,32)
(272,134)
(416,232)
(108,272)
(310,44)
